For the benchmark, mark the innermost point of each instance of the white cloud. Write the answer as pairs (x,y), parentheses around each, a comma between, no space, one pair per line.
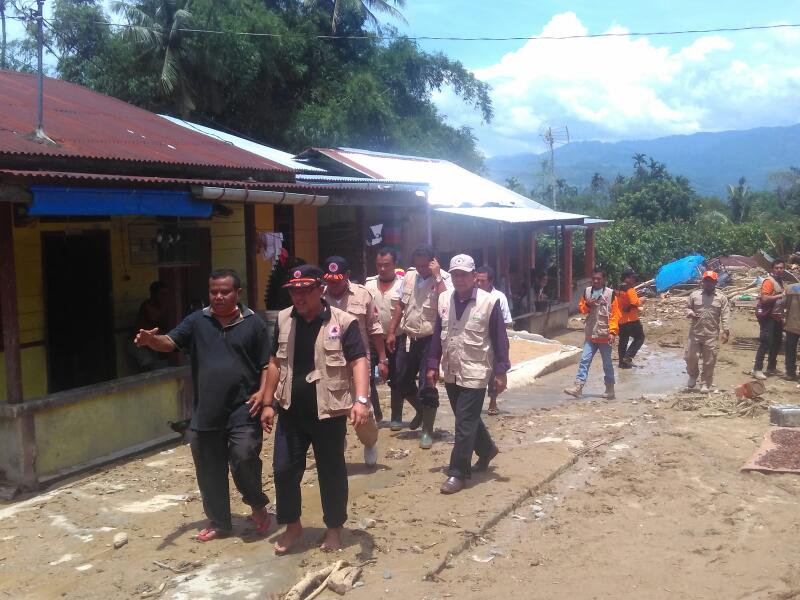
(634,88)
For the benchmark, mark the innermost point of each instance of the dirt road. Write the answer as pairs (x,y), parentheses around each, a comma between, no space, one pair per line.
(588,499)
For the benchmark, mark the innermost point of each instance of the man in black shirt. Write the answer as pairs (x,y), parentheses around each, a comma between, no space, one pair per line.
(228,347)
(316,349)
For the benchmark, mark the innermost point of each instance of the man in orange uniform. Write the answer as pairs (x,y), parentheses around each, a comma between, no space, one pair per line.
(599,304)
(770,321)
(630,326)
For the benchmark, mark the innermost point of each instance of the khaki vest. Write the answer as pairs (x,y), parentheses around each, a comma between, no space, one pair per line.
(467,356)
(420,302)
(385,302)
(597,321)
(357,301)
(331,373)
(792,308)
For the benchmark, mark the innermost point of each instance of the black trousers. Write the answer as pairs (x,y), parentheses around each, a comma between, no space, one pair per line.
(634,332)
(791,353)
(373,384)
(237,448)
(410,371)
(769,343)
(471,433)
(293,436)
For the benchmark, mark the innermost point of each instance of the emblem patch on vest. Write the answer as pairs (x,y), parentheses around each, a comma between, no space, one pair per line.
(333,332)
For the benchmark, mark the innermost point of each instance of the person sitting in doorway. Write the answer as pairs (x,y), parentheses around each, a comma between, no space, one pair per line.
(153,314)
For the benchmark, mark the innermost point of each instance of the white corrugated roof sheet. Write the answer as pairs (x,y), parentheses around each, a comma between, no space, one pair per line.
(282,158)
(450,185)
(519,214)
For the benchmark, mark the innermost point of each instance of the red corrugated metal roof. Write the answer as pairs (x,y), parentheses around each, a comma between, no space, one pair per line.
(89,125)
(41,177)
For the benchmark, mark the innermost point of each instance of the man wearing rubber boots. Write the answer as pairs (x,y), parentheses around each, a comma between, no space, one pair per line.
(709,314)
(357,301)
(410,334)
(317,349)
(471,343)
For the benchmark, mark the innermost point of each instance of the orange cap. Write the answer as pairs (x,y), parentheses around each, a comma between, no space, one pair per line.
(712,274)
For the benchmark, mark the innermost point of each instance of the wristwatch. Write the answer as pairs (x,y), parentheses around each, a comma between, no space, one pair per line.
(362,400)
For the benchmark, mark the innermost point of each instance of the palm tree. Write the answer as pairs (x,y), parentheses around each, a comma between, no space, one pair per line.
(366,8)
(739,200)
(157,25)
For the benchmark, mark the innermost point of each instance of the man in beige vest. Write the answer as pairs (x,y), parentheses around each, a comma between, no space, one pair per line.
(792,329)
(471,343)
(385,287)
(356,300)
(410,336)
(317,349)
(709,314)
(600,305)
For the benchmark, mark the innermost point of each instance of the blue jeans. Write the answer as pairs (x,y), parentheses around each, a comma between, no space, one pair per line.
(589,349)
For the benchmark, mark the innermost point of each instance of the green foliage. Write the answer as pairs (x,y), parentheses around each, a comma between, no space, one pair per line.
(646,248)
(292,90)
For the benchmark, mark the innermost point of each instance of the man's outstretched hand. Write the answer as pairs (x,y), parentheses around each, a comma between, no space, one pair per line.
(145,337)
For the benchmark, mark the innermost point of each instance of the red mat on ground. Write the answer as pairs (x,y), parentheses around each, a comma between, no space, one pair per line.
(778,453)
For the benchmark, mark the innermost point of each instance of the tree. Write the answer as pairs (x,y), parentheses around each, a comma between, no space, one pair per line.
(156,26)
(365,9)
(739,201)
(3,34)
(515,185)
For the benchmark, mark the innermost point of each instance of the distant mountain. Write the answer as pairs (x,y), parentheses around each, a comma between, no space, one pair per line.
(709,160)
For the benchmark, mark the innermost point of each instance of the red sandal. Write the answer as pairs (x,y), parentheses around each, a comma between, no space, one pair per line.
(209,533)
(262,525)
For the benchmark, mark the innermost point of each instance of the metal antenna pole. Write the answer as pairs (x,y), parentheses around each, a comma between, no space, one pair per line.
(39,135)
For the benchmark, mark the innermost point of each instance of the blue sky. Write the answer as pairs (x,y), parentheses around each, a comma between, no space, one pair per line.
(620,88)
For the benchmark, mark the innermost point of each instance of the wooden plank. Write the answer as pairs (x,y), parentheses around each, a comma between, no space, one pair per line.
(8,306)
(250,236)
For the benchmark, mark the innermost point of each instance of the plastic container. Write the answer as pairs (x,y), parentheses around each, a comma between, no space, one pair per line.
(750,389)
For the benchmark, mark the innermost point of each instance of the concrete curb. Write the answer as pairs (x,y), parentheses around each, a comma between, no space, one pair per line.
(527,372)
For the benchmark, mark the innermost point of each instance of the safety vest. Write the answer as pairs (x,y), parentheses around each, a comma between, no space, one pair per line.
(420,302)
(358,302)
(597,321)
(330,373)
(467,356)
(385,301)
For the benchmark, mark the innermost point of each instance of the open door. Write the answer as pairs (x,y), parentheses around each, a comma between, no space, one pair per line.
(79,309)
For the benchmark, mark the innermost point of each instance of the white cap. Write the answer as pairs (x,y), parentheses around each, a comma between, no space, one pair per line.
(462,262)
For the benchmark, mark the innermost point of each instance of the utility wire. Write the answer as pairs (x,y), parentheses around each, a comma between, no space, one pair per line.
(456,38)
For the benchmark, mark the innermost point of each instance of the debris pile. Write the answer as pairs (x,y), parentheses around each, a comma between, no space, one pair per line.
(724,404)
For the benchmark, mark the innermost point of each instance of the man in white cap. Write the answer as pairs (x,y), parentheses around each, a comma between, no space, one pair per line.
(471,343)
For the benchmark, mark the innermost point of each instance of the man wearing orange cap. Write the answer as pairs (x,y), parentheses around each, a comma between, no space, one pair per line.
(709,314)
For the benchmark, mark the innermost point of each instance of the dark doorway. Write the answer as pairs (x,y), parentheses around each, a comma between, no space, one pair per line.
(188,282)
(78,307)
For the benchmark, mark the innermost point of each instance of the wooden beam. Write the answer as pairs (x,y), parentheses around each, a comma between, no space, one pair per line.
(566,289)
(8,305)
(250,255)
(588,263)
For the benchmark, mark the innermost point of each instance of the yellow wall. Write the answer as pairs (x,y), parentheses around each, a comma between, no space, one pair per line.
(79,432)
(264,221)
(129,285)
(305,232)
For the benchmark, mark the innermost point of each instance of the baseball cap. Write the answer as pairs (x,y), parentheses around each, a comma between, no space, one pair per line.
(304,276)
(462,262)
(712,274)
(336,268)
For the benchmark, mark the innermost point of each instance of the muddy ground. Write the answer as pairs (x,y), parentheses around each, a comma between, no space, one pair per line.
(589,499)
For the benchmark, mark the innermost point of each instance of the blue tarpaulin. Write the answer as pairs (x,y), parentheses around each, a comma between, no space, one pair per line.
(71,201)
(677,272)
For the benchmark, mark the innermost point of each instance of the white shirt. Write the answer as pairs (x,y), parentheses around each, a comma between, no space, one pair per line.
(498,295)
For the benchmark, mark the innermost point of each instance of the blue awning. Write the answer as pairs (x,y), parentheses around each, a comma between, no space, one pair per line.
(70,201)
